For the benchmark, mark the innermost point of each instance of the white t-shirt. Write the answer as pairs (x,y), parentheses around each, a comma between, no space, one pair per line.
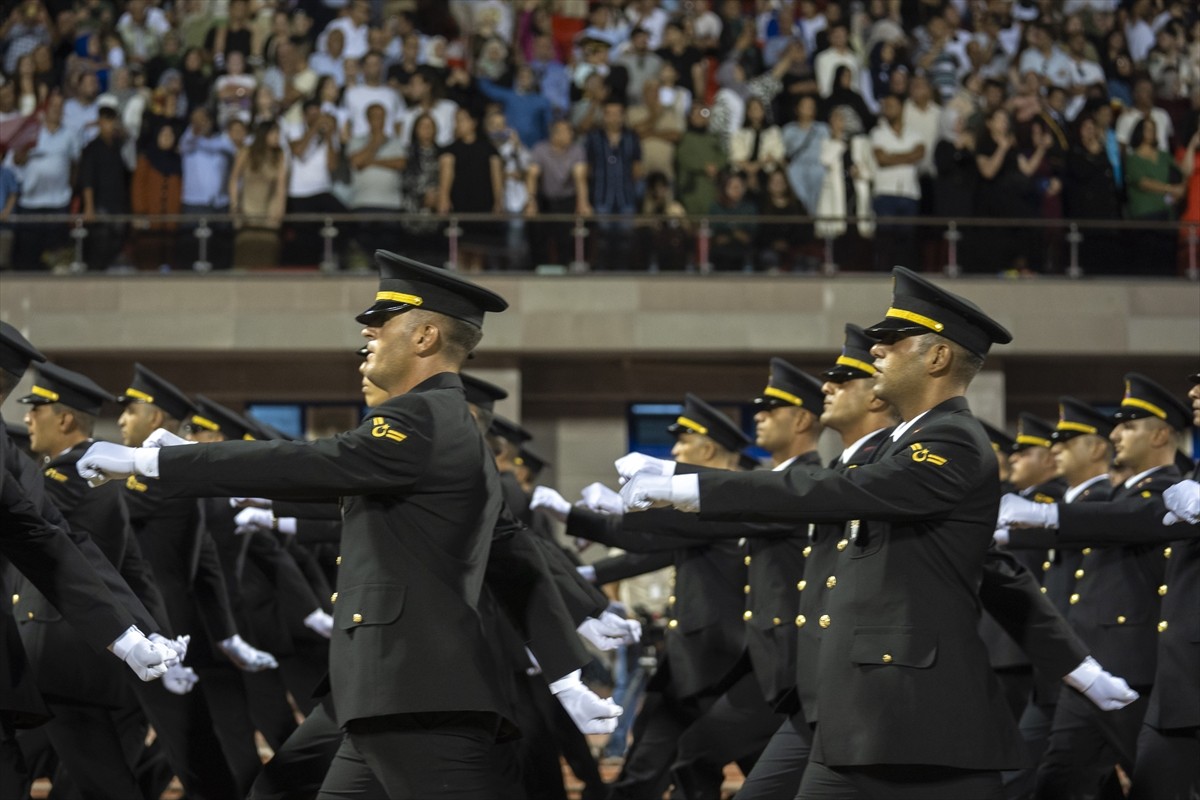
(358,98)
(826,65)
(356,38)
(309,174)
(1129,119)
(443,112)
(1083,74)
(375,186)
(925,125)
(1056,67)
(898,180)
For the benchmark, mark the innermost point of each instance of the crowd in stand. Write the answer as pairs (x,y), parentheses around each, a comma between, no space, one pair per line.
(858,112)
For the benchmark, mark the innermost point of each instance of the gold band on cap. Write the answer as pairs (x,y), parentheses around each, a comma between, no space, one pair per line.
(1079,427)
(1145,406)
(912,316)
(137,395)
(205,422)
(247,437)
(46,393)
(1033,441)
(400,297)
(771,391)
(847,361)
(692,425)
(996,446)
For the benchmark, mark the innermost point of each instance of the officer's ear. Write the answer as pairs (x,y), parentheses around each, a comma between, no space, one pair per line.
(426,338)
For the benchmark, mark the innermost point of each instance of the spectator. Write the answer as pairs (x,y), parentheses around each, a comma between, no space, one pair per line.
(1086,77)
(234,91)
(898,150)
(352,24)
(1188,159)
(809,24)
(640,62)
(425,98)
(257,198)
(1120,80)
(233,36)
(646,14)
(419,186)
(1139,29)
(518,202)
(194,78)
(1092,194)
(557,184)
(677,51)
(314,157)
(377,163)
(663,242)
(130,105)
(142,28)
(524,107)
(956,180)
(373,90)
(1004,192)
(859,118)
(837,55)
(1042,57)
(551,75)
(802,148)
(778,240)
(698,160)
(10,191)
(492,61)
(614,162)
(207,155)
(882,61)
(659,129)
(939,60)
(28,27)
(732,242)
(461,89)
(45,170)
(331,60)
(587,114)
(80,113)
(1143,107)
(1154,185)
(329,95)
(671,94)
(471,181)
(398,74)
(1173,72)
(846,190)
(104,188)
(290,80)
(706,26)
(729,108)
(31,92)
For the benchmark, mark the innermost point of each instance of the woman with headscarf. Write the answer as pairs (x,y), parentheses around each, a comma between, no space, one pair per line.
(858,118)
(885,58)
(157,189)
(698,160)
(846,189)
(197,84)
(171,93)
(729,106)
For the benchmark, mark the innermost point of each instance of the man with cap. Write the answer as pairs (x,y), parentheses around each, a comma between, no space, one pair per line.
(1003,445)
(87,693)
(411,676)
(918,713)
(1119,589)
(67,567)
(705,637)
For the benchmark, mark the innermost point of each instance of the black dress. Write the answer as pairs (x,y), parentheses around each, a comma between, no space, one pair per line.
(1003,196)
(1091,194)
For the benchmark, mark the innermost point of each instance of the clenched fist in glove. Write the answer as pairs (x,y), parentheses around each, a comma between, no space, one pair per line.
(164,438)
(631,464)
(1017,512)
(589,712)
(245,657)
(646,490)
(147,659)
(554,503)
(180,679)
(1107,691)
(319,623)
(600,498)
(104,461)
(179,644)
(610,631)
(1183,503)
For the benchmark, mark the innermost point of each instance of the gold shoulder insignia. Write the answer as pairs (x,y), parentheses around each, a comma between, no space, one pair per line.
(921,454)
(133,484)
(384,431)
(1043,498)
(56,475)
(1147,494)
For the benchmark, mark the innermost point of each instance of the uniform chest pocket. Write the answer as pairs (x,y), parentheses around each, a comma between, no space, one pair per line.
(897,647)
(864,538)
(368,604)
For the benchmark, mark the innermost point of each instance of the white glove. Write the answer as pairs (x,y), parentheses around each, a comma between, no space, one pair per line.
(645,490)
(610,631)
(598,497)
(147,659)
(554,503)
(179,644)
(245,657)
(631,464)
(180,679)
(249,520)
(250,502)
(1183,503)
(587,572)
(105,460)
(164,438)
(590,713)
(1017,512)
(1000,536)
(319,623)
(1107,692)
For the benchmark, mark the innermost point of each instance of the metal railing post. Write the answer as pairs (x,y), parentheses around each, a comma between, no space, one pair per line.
(703,242)
(453,232)
(829,265)
(78,233)
(953,236)
(1074,238)
(202,233)
(579,234)
(1193,239)
(329,232)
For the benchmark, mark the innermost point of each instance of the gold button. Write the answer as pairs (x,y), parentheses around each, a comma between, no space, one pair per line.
(800,620)
(673,623)
(671,599)
(800,586)
(1162,626)
(748,615)
(807,550)
(842,544)
(338,561)
(824,621)
(746,560)
(357,618)
(1120,619)
(887,658)
(1045,566)
(16,599)
(831,582)
(1162,590)
(1043,590)
(776,620)
(31,617)
(1078,574)
(333,597)
(1166,552)
(1087,551)
(746,589)
(1074,599)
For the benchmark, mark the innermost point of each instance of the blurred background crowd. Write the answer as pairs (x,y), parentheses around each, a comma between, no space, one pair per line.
(683,131)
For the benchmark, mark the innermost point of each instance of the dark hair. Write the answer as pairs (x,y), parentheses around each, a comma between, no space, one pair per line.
(1139,133)
(258,148)
(107,112)
(311,102)
(412,134)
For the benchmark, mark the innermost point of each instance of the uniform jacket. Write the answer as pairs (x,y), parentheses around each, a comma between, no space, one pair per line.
(902,676)
(421,498)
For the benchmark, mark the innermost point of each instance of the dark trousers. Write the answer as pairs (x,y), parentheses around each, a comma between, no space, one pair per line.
(104,243)
(89,743)
(613,241)
(736,728)
(1168,764)
(270,711)
(428,756)
(1085,744)
(34,239)
(1035,727)
(229,708)
(895,243)
(780,768)
(898,782)
(304,245)
(299,767)
(662,720)
(552,241)
(1017,685)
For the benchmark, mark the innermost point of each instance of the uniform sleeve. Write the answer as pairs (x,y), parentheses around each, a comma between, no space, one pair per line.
(1130,520)
(318,531)
(136,571)
(279,566)
(629,565)
(308,511)
(582,599)
(676,524)
(211,591)
(612,531)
